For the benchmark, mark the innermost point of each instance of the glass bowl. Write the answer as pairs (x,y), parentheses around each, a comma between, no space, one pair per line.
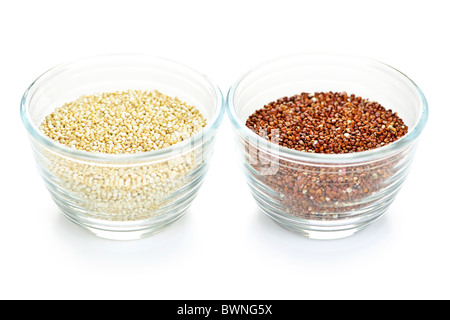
(325,196)
(122,196)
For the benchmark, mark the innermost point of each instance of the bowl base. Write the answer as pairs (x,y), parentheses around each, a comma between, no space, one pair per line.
(121,235)
(323,235)
(321,230)
(120,232)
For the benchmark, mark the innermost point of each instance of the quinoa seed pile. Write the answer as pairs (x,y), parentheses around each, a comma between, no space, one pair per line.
(329,123)
(123,122)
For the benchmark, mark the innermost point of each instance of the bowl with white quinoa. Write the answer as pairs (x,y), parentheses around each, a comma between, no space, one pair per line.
(122,141)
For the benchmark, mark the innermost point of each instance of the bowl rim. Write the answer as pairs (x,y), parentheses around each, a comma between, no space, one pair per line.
(341,158)
(153,155)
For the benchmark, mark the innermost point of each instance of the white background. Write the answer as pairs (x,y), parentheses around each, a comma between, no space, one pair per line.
(224,247)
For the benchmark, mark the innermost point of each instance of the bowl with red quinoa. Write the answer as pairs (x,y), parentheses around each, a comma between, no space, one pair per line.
(326,141)
(122,141)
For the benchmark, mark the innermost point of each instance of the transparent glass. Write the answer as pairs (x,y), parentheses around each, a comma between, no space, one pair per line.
(325,196)
(124,196)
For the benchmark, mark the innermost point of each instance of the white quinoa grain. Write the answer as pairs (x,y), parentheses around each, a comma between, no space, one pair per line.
(116,123)
(123,122)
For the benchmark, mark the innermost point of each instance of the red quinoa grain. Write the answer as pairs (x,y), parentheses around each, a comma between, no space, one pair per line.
(331,122)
